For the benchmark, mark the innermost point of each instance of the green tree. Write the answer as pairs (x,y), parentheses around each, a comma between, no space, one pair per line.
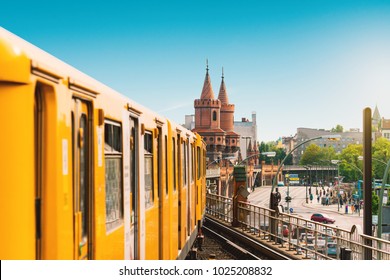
(326,155)
(381,155)
(265,147)
(279,156)
(338,128)
(311,155)
(350,164)
(375,203)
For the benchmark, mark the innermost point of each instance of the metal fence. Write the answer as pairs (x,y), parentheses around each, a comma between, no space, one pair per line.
(302,236)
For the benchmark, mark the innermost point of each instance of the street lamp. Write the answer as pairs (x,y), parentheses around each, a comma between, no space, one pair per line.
(306,167)
(219,159)
(329,137)
(336,161)
(268,154)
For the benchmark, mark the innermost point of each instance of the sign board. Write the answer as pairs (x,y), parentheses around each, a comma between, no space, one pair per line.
(243,191)
(375,219)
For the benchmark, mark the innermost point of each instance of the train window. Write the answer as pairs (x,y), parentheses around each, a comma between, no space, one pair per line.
(203,163)
(113,174)
(179,156)
(84,178)
(148,157)
(166,165)
(193,163)
(184,163)
(198,166)
(158,154)
(174,163)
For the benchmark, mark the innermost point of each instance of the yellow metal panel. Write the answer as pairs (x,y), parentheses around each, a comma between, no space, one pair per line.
(151,233)
(17,192)
(14,64)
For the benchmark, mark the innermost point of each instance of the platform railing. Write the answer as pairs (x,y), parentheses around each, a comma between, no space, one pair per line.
(219,207)
(301,236)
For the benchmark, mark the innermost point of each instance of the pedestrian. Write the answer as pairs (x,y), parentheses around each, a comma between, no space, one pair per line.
(318,198)
(311,198)
(285,231)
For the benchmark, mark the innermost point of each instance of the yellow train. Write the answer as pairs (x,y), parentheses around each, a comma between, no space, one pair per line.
(85,172)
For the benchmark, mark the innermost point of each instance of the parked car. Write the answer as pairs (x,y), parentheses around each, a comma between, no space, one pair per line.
(332,249)
(307,236)
(322,218)
(327,238)
(328,231)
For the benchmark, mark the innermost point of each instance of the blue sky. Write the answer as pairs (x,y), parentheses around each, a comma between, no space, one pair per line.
(297,64)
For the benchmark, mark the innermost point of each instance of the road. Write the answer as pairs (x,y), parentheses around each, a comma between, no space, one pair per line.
(261,196)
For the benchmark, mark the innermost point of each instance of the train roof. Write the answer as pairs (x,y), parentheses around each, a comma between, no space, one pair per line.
(48,61)
(55,65)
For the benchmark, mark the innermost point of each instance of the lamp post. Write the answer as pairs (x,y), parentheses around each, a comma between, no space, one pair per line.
(330,137)
(316,166)
(306,167)
(336,161)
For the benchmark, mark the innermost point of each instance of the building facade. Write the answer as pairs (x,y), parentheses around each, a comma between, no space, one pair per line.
(303,134)
(248,131)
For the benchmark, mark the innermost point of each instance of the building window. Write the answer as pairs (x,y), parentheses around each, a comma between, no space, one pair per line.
(214,115)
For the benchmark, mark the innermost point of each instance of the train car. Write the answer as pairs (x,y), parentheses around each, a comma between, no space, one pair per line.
(87,173)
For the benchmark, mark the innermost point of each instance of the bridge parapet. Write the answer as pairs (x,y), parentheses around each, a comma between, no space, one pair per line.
(302,236)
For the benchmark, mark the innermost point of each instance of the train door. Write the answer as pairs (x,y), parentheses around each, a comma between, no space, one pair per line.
(46,221)
(188,183)
(160,172)
(38,124)
(134,196)
(82,182)
(179,183)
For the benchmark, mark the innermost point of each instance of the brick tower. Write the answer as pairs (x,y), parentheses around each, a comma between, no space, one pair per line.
(207,120)
(214,121)
(232,139)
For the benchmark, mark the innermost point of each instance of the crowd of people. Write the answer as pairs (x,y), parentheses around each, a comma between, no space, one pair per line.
(327,197)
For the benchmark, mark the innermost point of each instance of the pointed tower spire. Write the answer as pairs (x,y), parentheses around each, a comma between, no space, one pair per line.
(249,148)
(222,96)
(376,115)
(207,91)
